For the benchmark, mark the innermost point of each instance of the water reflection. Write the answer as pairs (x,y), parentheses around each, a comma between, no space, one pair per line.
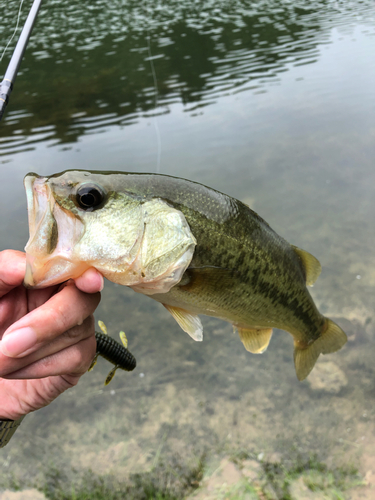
(92,64)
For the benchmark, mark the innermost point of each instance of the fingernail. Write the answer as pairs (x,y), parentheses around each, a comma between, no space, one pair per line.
(99,277)
(16,343)
(102,282)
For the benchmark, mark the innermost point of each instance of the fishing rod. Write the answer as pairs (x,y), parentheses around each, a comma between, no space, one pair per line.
(6,86)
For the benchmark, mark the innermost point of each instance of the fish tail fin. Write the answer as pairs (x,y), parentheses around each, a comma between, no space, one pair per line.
(331,340)
(305,359)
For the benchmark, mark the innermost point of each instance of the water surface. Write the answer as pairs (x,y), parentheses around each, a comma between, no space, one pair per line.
(271,102)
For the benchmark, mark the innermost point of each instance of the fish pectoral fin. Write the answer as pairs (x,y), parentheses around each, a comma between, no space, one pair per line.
(331,340)
(190,323)
(255,340)
(310,264)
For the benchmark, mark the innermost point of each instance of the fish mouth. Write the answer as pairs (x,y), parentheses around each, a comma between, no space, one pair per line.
(49,250)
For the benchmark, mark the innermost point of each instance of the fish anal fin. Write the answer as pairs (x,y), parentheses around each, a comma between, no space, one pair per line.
(190,323)
(331,340)
(310,264)
(255,340)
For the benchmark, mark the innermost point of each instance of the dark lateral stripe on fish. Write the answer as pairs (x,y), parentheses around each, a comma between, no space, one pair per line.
(285,299)
(114,352)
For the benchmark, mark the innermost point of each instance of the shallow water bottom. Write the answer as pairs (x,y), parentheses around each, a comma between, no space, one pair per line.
(191,405)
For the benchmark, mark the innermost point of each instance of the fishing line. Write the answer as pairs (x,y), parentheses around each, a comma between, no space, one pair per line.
(156,102)
(14,32)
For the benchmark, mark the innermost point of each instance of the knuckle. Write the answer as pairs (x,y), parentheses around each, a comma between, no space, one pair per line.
(73,333)
(78,361)
(82,331)
(58,319)
(71,380)
(82,356)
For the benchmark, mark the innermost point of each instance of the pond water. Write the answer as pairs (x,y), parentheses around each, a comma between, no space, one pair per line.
(271,102)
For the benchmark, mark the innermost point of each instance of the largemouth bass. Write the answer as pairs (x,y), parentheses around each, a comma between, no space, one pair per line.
(191,248)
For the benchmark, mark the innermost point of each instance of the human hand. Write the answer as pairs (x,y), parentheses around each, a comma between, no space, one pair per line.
(47,336)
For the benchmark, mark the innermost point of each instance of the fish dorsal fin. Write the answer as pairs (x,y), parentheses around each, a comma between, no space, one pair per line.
(331,340)
(310,264)
(255,340)
(190,323)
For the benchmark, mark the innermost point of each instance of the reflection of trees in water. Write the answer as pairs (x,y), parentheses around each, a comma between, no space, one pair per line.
(92,57)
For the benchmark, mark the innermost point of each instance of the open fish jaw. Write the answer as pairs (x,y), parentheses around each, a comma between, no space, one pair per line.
(49,251)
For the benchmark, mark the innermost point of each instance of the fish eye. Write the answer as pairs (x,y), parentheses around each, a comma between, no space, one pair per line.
(89,196)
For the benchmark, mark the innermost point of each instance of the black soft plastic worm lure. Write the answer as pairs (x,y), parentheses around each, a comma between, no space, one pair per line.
(114,352)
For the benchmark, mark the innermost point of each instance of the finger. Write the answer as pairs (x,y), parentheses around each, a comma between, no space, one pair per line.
(59,314)
(12,270)
(71,337)
(19,301)
(13,306)
(71,363)
(36,298)
(91,281)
